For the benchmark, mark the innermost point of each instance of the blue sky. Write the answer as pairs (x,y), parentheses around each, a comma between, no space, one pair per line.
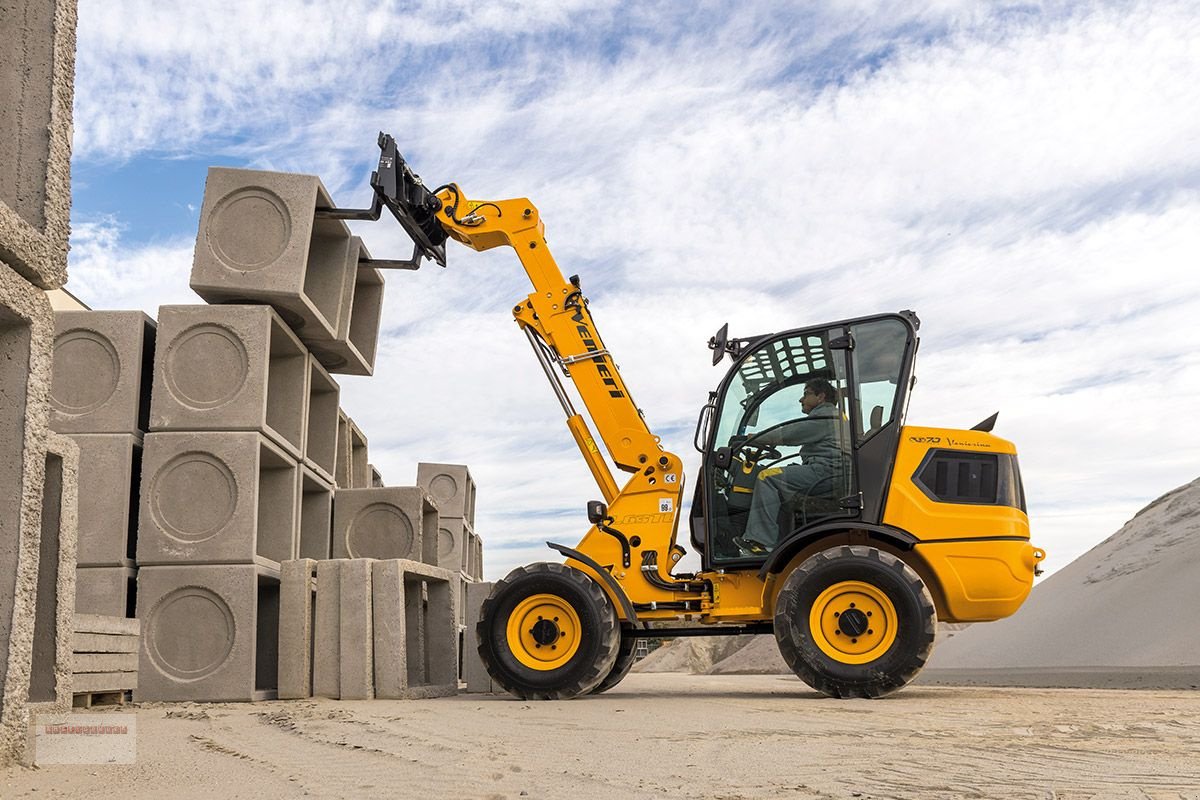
(1025,176)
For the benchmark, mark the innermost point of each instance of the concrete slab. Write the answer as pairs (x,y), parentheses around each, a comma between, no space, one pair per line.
(376,477)
(351,351)
(110,473)
(360,470)
(451,486)
(390,522)
(455,540)
(216,498)
(26,333)
(297,586)
(103,365)
(37,60)
(101,623)
(356,631)
(327,640)
(103,643)
(316,515)
(321,434)
(230,368)
(104,681)
(210,633)
(473,671)
(109,591)
(342,471)
(105,662)
(259,243)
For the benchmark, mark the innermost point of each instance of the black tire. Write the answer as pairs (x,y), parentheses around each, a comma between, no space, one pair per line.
(894,662)
(593,631)
(624,663)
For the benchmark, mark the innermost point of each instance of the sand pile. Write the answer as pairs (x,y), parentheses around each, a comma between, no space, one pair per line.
(759,655)
(1128,603)
(694,654)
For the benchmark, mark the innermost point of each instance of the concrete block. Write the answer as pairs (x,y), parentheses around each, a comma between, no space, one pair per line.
(259,243)
(327,640)
(316,515)
(110,471)
(454,543)
(392,522)
(356,631)
(376,477)
(360,470)
(352,350)
(217,498)
(104,624)
(104,682)
(321,434)
(416,636)
(103,643)
(105,662)
(103,365)
(451,486)
(297,585)
(230,368)
(26,334)
(37,60)
(110,591)
(473,672)
(211,633)
(342,471)
(50,670)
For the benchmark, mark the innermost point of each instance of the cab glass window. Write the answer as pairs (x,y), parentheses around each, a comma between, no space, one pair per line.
(879,348)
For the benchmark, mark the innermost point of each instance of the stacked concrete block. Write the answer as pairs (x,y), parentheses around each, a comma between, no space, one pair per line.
(316,515)
(259,242)
(385,523)
(415,629)
(210,632)
(105,658)
(217,497)
(321,440)
(297,589)
(230,368)
(360,470)
(37,470)
(37,60)
(376,477)
(451,487)
(474,673)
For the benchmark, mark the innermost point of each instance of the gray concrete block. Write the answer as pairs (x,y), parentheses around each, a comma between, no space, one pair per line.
(259,243)
(391,522)
(416,636)
(352,350)
(327,639)
(376,477)
(455,539)
(217,498)
(210,633)
(321,435)
(103,364)
(297,585)
(360,470)
(342,471)
(105,662)
(26,334)
(109,591)
(473,671)
(105,624)
(230,368)
(451,486)
(37,60)
(110,470)
(356,631)
(104,681)
(103,643)
(316,515)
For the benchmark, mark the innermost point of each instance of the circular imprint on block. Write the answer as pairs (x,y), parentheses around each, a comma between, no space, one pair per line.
(190,633)
(443,487)
(206,366)
(380,531)
(249,229)
(88,371)
(193,497)
(445,543)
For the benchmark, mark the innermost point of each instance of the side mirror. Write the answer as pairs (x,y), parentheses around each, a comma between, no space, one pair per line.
(597,512)
(717,343)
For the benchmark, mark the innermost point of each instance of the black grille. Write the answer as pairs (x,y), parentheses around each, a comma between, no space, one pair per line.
(953,476)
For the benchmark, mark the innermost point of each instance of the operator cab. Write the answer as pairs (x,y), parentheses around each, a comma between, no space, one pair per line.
(821,459)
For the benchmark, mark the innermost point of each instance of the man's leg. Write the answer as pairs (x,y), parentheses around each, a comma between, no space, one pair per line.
(762,526)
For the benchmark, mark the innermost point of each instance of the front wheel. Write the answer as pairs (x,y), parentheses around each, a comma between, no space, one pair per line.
(854,621)
(548,632)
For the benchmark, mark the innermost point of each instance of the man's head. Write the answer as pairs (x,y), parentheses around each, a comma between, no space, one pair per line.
(816,392)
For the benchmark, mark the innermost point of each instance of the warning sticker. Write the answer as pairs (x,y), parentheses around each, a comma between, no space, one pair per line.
(664,505)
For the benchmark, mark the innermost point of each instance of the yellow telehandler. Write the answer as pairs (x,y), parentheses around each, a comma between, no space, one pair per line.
(818,514)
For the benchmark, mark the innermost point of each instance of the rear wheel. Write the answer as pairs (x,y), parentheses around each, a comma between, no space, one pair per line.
(854,621)
(548,632)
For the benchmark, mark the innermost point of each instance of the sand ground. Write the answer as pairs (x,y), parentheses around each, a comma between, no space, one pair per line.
(661,735)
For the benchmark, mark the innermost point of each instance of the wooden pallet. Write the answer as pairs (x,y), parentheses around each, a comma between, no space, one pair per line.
(90,699)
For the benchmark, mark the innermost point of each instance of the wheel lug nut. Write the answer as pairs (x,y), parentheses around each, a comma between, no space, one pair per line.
(854,641)
(553,647)
(837,633)
(868,613)
(836,614)
(870,631)
(851,605)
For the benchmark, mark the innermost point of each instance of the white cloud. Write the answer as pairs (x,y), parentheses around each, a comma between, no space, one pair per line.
(1026,179)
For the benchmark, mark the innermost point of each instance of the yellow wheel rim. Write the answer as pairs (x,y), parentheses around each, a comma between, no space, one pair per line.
(853,622)
(543,632)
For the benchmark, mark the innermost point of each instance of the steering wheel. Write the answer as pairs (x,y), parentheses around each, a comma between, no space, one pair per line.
(755,451)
